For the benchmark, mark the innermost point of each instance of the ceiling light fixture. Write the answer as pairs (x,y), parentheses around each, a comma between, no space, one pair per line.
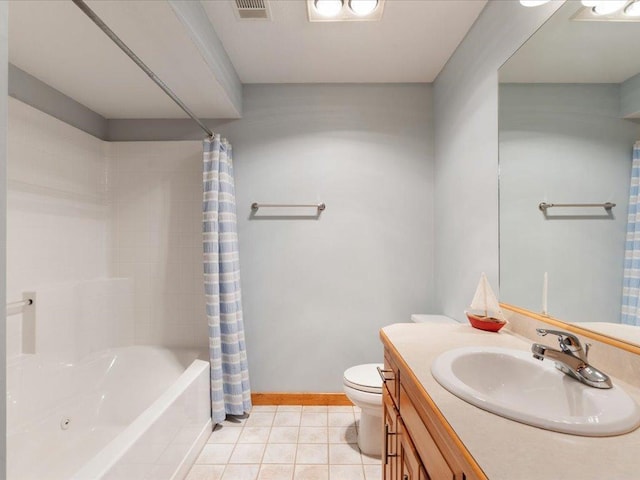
(363,7)
(343,10)
(533,3)
(590,3)
(607,7)
(633,9)
(328,8)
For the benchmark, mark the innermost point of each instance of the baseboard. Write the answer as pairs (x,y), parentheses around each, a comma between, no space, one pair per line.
(299,398)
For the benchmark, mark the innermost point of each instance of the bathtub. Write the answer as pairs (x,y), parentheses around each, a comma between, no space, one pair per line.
(129,413)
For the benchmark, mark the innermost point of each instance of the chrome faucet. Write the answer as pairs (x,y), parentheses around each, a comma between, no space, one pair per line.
(571,359)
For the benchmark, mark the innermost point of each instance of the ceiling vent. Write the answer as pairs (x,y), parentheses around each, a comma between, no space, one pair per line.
(252,9)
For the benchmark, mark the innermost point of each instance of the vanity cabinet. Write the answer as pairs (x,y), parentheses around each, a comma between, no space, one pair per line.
(418,442)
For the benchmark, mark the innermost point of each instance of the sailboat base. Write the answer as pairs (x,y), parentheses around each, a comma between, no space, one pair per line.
(489,324)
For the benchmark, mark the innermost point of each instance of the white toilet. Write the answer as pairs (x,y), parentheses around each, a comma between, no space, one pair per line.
(363,386)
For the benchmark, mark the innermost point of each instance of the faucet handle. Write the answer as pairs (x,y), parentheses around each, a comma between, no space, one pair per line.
(568,341)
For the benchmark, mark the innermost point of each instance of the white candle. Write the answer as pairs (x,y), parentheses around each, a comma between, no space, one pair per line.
(545,288)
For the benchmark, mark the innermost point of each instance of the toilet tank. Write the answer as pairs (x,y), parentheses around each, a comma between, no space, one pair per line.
(431,318)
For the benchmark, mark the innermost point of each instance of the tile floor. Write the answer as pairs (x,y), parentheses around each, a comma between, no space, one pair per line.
(287,443)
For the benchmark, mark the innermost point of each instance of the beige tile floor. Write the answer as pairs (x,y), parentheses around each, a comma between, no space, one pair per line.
(287,443)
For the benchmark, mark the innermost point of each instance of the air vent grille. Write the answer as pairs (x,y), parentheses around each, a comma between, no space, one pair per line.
(252,9)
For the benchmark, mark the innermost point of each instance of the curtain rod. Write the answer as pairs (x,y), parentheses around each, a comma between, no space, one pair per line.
(110,33)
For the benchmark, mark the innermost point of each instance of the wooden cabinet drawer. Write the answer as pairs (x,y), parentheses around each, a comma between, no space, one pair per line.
(432,458)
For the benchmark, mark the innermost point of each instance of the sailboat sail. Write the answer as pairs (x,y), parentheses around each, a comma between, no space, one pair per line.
(485,300)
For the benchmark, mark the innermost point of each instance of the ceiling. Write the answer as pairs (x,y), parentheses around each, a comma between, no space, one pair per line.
(55,42)
(411,43)
(567,51)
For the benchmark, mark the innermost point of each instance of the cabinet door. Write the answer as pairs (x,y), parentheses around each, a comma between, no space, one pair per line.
(433,459)
(390,446)
(410,466)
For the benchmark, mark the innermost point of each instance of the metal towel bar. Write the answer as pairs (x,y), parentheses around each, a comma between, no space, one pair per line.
(320,206)
(544,206)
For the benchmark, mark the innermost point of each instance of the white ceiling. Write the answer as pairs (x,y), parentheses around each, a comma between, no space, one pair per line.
(55,42)
(411,43)
(567,51)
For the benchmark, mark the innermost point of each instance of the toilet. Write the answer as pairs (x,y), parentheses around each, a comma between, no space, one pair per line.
(363,386)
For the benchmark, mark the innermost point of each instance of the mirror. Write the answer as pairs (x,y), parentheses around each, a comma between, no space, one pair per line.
(569,116)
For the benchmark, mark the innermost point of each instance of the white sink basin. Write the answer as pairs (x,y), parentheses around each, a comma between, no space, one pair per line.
(512,384)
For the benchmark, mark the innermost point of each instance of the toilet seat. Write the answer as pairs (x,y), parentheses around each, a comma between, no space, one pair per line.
(364,378)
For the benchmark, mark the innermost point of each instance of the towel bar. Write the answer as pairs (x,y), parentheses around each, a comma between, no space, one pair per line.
(255,205)
(544,206)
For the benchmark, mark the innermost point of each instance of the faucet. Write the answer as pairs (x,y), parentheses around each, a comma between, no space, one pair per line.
(571,359)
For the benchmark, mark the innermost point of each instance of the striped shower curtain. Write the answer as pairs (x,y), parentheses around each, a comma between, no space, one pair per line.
(230,392)
(631,282)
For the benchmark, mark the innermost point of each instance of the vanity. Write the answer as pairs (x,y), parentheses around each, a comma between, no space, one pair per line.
(569,120)
(432,434)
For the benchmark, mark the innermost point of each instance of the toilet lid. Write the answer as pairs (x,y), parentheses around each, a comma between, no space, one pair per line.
(364,377)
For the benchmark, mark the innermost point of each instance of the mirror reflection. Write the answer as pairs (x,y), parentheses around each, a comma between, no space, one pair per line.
(569,119)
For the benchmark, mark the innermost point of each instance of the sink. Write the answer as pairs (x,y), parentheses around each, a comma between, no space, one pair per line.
(512,384)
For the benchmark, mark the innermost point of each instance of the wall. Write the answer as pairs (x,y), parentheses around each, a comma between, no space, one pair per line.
(564,144)
(58,215)
(34,92)
(157,238)
(4,60)
(317,290)
(630,97)
(465,96)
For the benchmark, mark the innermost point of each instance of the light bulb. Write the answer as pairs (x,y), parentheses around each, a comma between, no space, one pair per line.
(590,3)
(363,7)
(607,7)
(633,10)
(328,8)
(533,3)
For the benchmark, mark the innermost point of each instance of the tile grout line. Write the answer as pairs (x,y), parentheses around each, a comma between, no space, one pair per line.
(327,464)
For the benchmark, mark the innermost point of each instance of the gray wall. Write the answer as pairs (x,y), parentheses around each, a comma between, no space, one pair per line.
(466,151)
(34,92)
(564,144)
(317,290)
(630,97)
(4,88)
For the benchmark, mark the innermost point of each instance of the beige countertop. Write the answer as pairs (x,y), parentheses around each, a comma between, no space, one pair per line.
(506,449)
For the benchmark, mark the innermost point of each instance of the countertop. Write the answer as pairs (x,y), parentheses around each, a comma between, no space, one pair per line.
(506,449)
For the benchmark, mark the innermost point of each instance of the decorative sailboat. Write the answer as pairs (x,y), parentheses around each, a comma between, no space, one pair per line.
(485,312)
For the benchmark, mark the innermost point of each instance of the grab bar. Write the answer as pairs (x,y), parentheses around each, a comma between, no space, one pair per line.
(20,303)
(320,206)
(607,205)
(14,308)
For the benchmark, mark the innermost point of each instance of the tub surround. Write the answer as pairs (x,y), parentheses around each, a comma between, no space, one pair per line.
(482,437)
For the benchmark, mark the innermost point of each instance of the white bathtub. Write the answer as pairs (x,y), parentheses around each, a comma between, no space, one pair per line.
(130,413)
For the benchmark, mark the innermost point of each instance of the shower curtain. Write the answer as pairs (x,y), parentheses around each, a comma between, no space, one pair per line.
(630,313)
(230,391)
